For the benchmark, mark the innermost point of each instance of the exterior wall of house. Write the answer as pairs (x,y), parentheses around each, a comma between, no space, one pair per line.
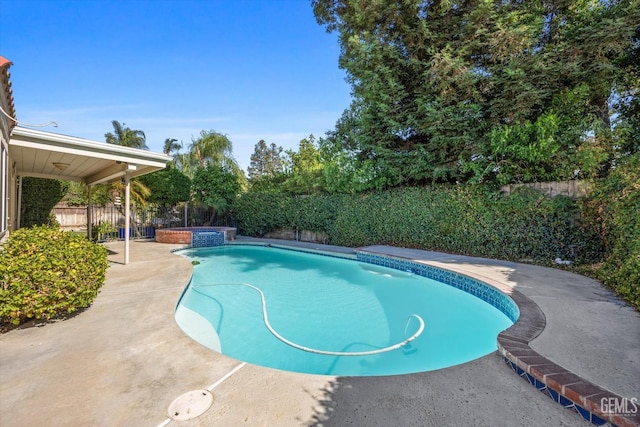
(4,184)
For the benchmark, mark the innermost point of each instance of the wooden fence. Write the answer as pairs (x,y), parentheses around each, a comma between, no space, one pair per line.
(574,189)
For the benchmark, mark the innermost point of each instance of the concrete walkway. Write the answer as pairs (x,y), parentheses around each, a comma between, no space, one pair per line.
(123,361)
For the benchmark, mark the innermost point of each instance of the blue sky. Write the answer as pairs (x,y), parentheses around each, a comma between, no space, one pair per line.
(254,69)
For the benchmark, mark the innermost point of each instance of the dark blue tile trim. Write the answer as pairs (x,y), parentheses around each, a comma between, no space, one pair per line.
(467,284)
(294,249)
(556,397)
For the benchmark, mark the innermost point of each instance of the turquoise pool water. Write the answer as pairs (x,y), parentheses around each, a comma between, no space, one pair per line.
(330,304)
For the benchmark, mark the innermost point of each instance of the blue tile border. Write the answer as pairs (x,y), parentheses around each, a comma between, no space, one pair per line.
(296,249)
(467,284)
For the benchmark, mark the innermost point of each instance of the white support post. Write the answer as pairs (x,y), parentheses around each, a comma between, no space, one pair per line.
(19,205)
(127,212)
(89,214)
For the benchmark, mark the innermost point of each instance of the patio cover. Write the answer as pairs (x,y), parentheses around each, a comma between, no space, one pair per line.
(41,154)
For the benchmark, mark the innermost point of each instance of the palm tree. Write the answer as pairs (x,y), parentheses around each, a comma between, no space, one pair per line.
(139,192)
(126,137)
(214,148)
(185,163)
(171,144)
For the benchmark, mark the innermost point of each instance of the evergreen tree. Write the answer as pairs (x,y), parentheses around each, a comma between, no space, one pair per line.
(266,161)
(304,168)
(458,90)
(215,187)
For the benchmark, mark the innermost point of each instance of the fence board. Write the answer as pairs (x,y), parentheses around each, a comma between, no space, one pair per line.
(574,189)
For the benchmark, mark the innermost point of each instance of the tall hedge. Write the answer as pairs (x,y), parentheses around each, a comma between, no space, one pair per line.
(614,211)
(471,221)
(39,196)
(259,212)
(526,225)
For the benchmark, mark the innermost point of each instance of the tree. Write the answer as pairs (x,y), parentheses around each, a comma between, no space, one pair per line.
(627,101)
(347,167)
(138,192)
(212,148)
(168,186)
(215,187)
(171,145)
(304,168)
(437,84)
(126,137)
(265,161)
(185,163)
(77,194)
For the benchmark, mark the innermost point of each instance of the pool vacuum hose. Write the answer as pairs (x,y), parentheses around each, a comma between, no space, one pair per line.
(265,318)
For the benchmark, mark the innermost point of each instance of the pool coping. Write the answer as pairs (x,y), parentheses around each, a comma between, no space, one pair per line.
(561,385)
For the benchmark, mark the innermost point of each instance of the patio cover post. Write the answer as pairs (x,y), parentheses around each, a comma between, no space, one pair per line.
(19,205)
(89,214)
(127,212)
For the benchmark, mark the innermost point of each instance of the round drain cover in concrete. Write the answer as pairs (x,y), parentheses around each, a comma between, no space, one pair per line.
(190,405)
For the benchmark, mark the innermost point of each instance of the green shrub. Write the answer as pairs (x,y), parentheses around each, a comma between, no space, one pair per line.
(47,273)
(259,212)
(39,196)
(526,225)
(614,210)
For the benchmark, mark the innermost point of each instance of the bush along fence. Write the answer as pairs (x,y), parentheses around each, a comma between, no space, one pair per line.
(523,226)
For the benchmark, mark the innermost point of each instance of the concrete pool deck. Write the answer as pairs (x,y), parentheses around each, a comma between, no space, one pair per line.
(122,361)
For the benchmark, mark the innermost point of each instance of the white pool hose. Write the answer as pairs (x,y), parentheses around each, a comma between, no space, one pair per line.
(265,318)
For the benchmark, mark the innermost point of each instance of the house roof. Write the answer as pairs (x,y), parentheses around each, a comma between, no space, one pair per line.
(51,155)
(5,83)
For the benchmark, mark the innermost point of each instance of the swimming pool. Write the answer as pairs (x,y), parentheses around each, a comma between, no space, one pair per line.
(332,305)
